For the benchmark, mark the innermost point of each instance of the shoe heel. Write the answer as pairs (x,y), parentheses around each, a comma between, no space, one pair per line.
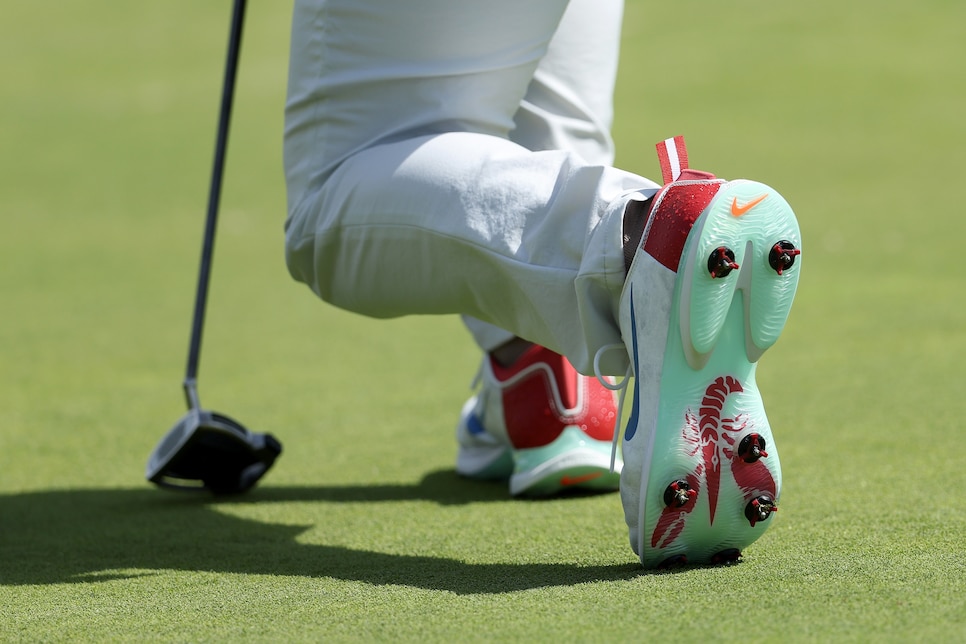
(712,437)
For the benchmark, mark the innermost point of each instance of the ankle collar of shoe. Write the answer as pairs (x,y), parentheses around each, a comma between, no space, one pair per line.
(531,356)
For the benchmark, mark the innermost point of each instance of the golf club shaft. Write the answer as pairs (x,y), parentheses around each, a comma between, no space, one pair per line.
(214,195)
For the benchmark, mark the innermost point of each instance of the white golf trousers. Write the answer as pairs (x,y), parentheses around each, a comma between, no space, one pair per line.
(449,156)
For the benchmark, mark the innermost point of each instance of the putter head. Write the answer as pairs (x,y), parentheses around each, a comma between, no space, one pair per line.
(209,451)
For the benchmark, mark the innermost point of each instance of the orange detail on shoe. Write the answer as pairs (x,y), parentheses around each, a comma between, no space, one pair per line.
(738,211)
(567,481)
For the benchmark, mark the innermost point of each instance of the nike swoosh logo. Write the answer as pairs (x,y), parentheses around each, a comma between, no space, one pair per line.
(566,480)
(738,211)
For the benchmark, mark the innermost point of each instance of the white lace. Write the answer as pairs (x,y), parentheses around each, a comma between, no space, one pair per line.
(478,378)
(614,386)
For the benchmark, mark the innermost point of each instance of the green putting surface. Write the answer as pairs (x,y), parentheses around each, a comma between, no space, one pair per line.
(362,531)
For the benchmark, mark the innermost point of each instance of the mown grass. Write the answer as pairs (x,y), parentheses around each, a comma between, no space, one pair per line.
(362,531)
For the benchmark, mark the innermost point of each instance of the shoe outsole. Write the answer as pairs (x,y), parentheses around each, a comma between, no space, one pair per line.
(710,471)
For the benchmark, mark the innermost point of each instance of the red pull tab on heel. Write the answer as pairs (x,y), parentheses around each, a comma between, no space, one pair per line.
(673,155)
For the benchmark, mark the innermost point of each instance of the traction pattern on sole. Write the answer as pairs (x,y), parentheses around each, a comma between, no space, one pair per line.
(714,477)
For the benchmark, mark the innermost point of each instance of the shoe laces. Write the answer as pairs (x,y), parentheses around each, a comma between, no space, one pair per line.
(614,386)
(478,378)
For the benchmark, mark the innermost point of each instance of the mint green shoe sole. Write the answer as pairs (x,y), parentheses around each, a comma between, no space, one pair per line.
(572,461)
(713,478)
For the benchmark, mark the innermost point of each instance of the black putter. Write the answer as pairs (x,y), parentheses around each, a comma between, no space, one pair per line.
(205,450)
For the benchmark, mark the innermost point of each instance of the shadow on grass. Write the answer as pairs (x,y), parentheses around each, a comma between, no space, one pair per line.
(73,536)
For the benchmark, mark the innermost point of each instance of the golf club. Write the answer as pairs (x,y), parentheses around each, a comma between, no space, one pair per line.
(205,450)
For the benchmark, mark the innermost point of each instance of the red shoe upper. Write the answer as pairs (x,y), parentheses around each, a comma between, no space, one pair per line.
(679,203)
(543,394)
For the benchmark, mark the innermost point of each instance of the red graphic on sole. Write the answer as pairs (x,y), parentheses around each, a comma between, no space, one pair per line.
(672,520)
(710,431)
(715,439)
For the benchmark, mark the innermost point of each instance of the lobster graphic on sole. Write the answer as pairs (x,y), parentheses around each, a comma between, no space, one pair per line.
(715,440)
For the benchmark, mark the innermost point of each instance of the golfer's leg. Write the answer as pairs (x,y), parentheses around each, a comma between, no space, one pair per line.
(367,72)
(569,102)
(406,197)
